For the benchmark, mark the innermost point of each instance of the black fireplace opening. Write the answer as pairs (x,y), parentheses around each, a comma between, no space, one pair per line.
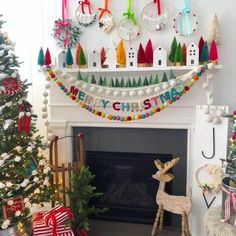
(125,179)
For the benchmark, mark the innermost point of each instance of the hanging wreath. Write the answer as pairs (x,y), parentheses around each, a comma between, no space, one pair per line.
(83,14)
(185,22)
(216,173)
(65,31)
(154,16)
(106,19)
(128,28)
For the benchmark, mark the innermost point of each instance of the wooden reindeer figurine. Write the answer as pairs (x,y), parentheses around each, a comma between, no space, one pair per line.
(176,204)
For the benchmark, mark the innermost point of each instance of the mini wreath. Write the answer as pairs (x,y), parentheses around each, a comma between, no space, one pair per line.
(151,19)
(185,23)
(84,15)
(66,33)
(214,185)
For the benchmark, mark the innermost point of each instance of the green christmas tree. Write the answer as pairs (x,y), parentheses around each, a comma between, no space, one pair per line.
(128,83)
(122,83)
(205,53)
(111,84)
(105,82)
(164,78)
(80,194)
(172,75)
(117,84)
(178,55)
(79,76)
(145,81)
(231,160)
(151,80)
(93,80)
(100,82)
(82,60)
(139,83)
(69,57)
(25,173)
(156,81)
(41,57)
(173,50)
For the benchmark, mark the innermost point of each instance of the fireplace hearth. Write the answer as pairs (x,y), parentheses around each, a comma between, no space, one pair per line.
(127,183)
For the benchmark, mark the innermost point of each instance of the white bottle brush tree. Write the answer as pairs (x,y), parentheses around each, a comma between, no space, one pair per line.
(24,171)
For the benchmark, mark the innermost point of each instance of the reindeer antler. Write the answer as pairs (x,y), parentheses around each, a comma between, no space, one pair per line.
(159,164)
(168,165)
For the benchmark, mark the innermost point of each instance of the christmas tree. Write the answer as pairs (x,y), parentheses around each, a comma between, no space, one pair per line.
(82,60)
(184,52)
(47,58)
(24,175)
(149,53)
(120,54)
(69,57)
(200,46)
(205,53)
(77,54)
(213,52)
(41,57)
(103,56)
(141,55)
(231,160)
(178,56)
(173,50)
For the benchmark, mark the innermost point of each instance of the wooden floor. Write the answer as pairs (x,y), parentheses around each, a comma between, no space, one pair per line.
(109,228)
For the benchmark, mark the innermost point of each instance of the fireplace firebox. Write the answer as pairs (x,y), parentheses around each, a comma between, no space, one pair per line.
(125,179)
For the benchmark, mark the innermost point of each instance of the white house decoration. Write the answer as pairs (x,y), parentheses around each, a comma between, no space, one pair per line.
(192,55)
(160,57)
(61,59)
(94,59)
(131,58)
(111,56)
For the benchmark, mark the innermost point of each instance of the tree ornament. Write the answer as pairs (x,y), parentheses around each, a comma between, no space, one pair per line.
(154,16)
(205,53)
(120,54)
(82,60)
(103,56)
(213,53)
(173,50)
(141,56)
(200,46)
(178,56)
(69,58)
(106,20)
(214,31)
(10,86)
(149,53)
(47,58)
(185,22)
(84,14)
(77,53)
(24,121)
(110,60)
(41,57)
(128,28)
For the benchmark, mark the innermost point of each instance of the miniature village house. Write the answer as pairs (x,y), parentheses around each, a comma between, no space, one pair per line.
(131,57)
(160,57)
(61,59)
(94,60)
(192,55)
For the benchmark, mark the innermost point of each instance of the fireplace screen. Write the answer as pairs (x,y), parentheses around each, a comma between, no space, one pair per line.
(125,179)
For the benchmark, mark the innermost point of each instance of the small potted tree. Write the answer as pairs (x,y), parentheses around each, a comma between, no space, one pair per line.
(229,182)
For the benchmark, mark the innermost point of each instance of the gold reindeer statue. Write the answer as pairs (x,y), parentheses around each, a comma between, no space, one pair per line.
(180,205)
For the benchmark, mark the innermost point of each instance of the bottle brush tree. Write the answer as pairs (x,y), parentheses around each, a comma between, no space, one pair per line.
(141,55)
(120,54)
(173,50)
(149,53)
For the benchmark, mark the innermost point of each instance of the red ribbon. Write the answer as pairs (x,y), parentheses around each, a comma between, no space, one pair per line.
(104,10)
(52,216)
(81,232)
(158,2)
(83,3)
(59,26)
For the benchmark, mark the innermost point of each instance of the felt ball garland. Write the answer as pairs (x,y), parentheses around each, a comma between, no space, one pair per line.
(195,77)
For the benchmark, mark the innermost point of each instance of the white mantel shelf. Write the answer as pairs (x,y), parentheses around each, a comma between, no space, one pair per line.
(133,70)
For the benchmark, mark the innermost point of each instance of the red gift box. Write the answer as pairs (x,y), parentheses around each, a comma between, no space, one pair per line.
(41,229)
(57,215)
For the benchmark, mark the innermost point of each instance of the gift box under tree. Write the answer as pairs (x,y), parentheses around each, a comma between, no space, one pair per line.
(53,222)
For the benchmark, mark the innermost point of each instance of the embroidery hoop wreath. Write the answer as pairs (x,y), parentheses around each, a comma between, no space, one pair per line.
(150,18)
(178,21)
(66,33)
(216,173)
(85,17)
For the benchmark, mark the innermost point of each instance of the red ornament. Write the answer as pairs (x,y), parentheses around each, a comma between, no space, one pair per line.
(10,210)
(213,52)
(149,52)
(141,55)
(47,58)
(200,46)
(24,121)
(10,84)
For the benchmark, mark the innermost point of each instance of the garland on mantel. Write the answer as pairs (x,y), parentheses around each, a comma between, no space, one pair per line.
(148,100)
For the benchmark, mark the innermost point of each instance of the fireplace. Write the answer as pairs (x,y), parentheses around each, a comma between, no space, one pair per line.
(123,161)
(127,183)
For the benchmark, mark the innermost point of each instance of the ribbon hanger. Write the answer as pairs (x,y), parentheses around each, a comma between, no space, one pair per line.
(185,12)
(158,2)
(130,13)
(84,3)
(105,9)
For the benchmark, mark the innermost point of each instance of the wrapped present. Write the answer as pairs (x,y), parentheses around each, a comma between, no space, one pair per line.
(57,216)
(41,229)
